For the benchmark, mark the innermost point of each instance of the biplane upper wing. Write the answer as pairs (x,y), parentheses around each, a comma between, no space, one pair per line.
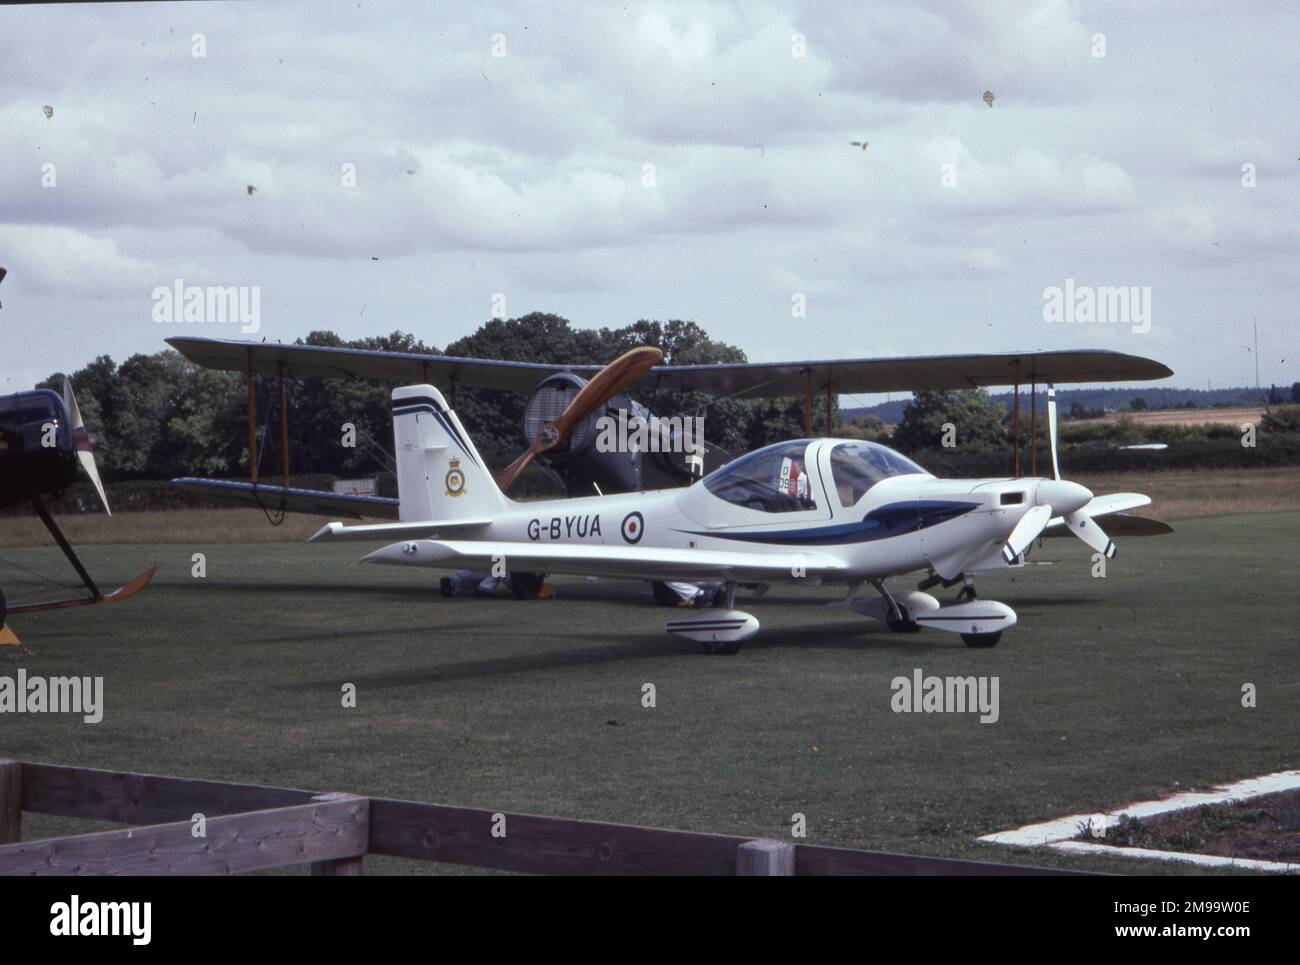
(289,499)
(749,379)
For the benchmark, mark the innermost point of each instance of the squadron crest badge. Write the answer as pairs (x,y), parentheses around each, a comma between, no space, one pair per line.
(455,479)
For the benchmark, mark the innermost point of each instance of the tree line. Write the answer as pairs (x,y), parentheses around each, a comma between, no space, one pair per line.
(159,416)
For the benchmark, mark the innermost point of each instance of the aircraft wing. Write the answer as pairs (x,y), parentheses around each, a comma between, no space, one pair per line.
(278,498)
(632,562)
(749,379)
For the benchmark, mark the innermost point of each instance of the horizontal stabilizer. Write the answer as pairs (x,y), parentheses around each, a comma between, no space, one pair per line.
(313,502)
(336,532)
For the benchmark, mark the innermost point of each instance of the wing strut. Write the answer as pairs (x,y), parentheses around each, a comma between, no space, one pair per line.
(807,403)
(830,415)
(252,421)
(1033,428)
(284,430)
(123,592)
(1015,419)
(64,545)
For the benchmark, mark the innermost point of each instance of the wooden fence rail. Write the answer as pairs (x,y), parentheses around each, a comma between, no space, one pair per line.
(249,827)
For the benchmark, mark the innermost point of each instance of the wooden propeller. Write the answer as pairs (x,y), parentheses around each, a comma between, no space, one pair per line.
(604,385)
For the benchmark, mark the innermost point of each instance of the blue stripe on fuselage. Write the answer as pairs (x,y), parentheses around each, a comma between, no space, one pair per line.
(883,522)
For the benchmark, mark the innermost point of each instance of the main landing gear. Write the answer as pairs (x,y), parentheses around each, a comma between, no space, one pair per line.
(719,629)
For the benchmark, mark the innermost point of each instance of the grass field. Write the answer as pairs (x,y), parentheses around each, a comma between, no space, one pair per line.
(1111,691)
(1183,494)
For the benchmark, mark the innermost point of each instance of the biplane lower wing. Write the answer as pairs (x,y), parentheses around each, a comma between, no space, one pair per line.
(289,499)
(123,592)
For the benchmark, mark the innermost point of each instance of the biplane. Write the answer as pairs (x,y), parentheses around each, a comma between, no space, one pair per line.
(821,510)
(43,443)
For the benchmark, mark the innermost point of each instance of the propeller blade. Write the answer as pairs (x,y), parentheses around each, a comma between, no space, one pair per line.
(604,385)
(1087,529)
(1051,429)
(81,439)
(1025,532)
(507,475)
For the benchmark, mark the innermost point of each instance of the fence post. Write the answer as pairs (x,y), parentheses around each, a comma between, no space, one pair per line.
(764,856)
(11,801)
(338,867)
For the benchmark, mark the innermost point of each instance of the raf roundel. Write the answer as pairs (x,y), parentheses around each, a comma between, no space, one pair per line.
(633,527)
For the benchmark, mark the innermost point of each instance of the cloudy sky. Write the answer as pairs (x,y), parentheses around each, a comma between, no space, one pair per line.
(661,160)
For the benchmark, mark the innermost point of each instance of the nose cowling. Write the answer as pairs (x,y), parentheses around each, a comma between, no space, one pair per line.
(1064,497)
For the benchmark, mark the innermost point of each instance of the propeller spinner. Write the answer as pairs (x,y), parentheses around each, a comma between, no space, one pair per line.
(1057,497)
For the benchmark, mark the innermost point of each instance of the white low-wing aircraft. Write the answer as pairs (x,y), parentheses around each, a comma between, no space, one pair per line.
(833,511)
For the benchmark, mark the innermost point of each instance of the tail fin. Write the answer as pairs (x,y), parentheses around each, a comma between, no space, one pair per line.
(440,475)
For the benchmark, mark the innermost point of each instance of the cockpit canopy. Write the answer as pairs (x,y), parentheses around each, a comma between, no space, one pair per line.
(773,479)
(857,466)
(777,479)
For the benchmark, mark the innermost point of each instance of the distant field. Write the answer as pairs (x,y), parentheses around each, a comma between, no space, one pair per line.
(1111,691)
(1184,417)
(1194,493)
(1177,495)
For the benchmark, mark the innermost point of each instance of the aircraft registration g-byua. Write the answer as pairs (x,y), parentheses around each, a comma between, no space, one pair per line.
(812,510)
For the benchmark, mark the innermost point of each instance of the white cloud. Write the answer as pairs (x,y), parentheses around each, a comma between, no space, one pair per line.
(527,169)
(54,260)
